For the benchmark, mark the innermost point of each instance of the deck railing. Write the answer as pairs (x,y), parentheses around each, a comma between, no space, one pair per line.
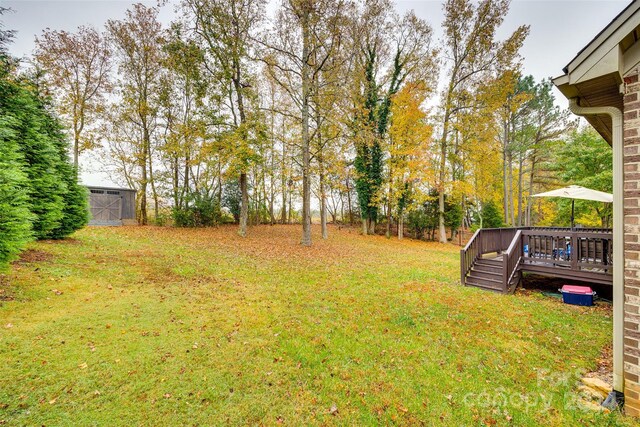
(470,254)
(484,241)
(583,253)
(511,259)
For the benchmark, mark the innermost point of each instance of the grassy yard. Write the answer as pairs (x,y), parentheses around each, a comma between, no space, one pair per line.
(159,326)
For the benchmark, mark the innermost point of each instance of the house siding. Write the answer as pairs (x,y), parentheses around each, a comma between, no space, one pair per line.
(632,245)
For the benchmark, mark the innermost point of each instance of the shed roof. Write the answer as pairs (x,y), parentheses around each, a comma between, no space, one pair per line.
(97,187)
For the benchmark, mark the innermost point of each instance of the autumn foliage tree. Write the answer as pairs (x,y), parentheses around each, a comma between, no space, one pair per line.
(408,160)
(473,56)
(225,29)
(136,44)
(389,51)
(258,117)
(77,71)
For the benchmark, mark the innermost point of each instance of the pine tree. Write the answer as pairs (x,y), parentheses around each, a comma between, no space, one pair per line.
(41,162)
(75,213)
(489,216)
(15,215)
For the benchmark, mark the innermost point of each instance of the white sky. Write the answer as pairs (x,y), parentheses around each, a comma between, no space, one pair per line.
(559,29)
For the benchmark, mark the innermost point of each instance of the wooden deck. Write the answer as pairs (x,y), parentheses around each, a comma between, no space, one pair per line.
(495,258)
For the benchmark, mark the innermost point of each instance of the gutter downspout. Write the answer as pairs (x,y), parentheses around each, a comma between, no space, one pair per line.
(618,234)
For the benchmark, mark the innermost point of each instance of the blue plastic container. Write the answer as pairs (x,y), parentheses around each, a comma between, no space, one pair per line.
(577,295)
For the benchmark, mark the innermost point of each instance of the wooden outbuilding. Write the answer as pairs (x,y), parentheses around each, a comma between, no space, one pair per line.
(112,206)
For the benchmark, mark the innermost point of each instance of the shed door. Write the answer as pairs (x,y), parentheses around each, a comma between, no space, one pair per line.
(106,208)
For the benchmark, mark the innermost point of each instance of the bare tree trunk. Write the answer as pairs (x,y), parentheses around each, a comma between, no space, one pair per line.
(143,168)
(187,160)
(520,195)
(389,195)
(154,193)
(219,195)
(505,177)
(442,231)
(272,190)
(244,205)
(323,200)
(306,155)
(283,181)
(244,190)
(349,207)
(400,225)
(388,232)
(272,168)
(372,226)
(290,210)
(512,219)
(531,183)
(76,149)
(77,129)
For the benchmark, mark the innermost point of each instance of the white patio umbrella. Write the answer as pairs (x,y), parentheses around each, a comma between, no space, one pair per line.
(574,192)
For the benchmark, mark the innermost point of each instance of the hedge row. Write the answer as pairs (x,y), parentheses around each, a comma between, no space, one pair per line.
(40,197)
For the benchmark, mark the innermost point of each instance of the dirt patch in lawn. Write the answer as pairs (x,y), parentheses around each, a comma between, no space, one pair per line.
(605,366)
(31,256)
(5,295)
(65,241)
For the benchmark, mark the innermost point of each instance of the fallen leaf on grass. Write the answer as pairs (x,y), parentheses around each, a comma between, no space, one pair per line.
(333,410)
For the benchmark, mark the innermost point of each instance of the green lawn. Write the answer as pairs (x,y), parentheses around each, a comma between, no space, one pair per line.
(159,326)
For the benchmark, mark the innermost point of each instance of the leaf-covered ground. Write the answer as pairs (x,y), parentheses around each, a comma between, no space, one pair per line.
(160,326)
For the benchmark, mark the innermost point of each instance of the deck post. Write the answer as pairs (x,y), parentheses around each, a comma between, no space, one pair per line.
(505,273)
(574,251)
(463,264)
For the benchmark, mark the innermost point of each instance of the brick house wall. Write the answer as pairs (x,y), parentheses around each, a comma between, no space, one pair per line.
(632,244)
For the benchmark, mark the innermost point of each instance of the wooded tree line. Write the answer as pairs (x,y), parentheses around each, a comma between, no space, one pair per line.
(230,109)
(39,194)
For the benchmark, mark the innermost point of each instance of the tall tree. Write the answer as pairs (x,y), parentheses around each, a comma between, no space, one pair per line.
(389,51)
(15,217)
(304,44)
(77,70)
(473,55)
(407,162)
(182,95)
(585,159)
(136,41)
(226,28)
(545,123)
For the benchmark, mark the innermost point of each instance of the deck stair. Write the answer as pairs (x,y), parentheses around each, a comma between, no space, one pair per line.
(494,259)
(486,274)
